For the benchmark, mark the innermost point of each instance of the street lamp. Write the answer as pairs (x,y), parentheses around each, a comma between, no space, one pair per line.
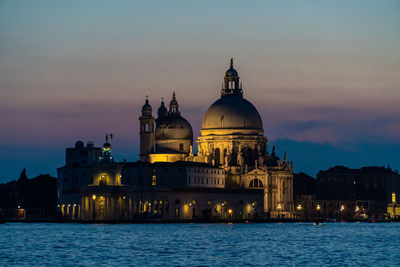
(94,207)
(318,209)
(279,210)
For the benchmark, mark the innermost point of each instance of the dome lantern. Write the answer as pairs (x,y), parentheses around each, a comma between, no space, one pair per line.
(231,83)
(173,106)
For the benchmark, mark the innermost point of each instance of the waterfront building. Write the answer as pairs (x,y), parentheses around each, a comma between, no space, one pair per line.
(362,193)
(304,191)
(231,176)
(344,193)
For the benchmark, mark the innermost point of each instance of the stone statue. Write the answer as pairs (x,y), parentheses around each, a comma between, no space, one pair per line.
(260,160)
(191,151)
(240,159)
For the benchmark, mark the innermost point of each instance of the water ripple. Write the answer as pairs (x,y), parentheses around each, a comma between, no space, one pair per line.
(336,244)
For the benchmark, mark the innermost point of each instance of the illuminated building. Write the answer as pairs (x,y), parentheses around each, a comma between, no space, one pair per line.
(231,177)
(393,208)
(232,138)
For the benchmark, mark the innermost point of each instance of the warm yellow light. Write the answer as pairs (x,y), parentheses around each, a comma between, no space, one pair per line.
(318,207)
(279,206)
(393,197)
(230,211)
(342,208)
(357,208)
(94,197)
(299,207)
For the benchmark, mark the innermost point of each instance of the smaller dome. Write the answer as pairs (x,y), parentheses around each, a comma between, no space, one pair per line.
(173,127)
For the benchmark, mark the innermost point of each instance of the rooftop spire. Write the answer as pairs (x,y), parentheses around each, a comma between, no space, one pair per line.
(232,63)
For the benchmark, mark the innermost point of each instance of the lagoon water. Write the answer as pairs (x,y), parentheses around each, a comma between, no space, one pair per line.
(333,244)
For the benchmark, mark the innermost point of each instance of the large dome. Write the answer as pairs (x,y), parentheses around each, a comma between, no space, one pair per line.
(173,127)
(232,112)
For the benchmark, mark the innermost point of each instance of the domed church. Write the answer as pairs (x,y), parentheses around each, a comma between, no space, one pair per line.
(232,138)
(172,138)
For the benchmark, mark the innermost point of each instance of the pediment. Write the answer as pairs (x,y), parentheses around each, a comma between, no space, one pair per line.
(256,172)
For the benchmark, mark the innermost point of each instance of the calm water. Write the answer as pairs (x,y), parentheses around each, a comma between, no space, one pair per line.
(339,244)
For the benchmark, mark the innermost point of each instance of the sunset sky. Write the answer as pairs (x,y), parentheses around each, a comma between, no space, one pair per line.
(324,75)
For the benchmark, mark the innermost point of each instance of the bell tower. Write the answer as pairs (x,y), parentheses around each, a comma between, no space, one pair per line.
(146,132)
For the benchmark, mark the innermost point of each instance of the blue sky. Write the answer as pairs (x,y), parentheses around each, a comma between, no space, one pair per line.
(324,75)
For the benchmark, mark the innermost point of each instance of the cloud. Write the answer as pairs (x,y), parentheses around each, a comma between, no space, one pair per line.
(310,157)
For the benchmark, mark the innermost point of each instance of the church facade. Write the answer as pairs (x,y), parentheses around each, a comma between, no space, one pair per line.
(231,176)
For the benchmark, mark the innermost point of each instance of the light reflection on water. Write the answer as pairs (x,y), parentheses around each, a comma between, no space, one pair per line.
(338,244)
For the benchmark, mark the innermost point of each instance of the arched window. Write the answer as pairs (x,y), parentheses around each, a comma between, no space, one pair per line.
(256,183)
